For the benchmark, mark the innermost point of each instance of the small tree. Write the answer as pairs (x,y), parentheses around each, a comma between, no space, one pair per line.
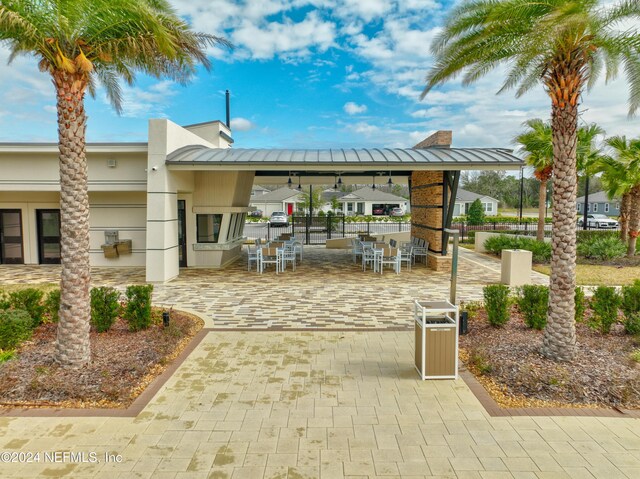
(335,204)
(475,216)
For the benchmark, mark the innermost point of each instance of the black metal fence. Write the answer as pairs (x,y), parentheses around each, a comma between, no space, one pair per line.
(467,231)
(318,229)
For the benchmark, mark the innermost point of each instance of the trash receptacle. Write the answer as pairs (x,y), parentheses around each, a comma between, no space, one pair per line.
(436,339)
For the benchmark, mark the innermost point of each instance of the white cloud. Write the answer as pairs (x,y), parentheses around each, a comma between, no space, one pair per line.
(241,124)
(296,39)
(151,102)
(352,108)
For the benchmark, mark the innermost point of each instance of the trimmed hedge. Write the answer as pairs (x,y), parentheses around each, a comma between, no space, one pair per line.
(30,300)
(138,309)
(533,302)
(541,250)
(604,304)
(602,247)
(630,306)
(52,305)
(496,303)
(16,326)
(104,308)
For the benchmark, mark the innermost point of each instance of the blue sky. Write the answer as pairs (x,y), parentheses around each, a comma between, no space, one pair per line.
(308,74)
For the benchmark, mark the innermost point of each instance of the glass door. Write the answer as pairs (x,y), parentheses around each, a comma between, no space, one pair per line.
(182,233)
(11,251)
(48,236)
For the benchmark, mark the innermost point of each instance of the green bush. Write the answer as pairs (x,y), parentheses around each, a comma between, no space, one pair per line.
(138,309)
(16,326)
(475,215)
(604,304)
(104,308)
(30,300)
(580,304)
(533,301)
(587,235)
(602,248)
(540,250)
(52,305)
(496,303)
(630,306)
(5,302)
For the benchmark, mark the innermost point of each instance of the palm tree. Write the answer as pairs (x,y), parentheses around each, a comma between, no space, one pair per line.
(621,177)
(536,142)
(564,45)
(80,43)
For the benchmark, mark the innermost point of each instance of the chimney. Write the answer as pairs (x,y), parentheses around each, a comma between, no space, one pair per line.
(440,139)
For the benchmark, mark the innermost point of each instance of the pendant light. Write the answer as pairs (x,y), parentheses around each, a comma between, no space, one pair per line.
(299,185)
(289,182)
(374,183)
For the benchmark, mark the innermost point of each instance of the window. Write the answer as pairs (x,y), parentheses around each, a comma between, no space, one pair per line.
(606,207)
(350,207)
(208,228)
(488,207)
(580,207)
(618,206)
(595,207)
(360,208)
(588,207)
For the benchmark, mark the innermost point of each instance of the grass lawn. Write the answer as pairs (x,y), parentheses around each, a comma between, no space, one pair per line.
(45,287)
(597,275)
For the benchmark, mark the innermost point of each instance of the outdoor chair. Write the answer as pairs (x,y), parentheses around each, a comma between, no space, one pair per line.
(356,249)
(369,256)
(406,256)
(420,249)
(297,246)
(288,254)
(390,256)
(269,256)
(252,256)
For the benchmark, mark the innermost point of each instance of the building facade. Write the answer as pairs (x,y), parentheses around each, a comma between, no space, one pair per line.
(599,203)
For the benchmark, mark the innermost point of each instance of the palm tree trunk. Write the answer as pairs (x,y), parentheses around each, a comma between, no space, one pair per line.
(559,341)
(625,204)
(634,220)
(72,346)
(542,205)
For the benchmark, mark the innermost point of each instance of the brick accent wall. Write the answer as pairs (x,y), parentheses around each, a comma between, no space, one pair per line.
(426,207)
(441,138)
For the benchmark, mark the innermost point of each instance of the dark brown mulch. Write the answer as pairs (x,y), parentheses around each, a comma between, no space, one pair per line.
(508,362)
(123,364)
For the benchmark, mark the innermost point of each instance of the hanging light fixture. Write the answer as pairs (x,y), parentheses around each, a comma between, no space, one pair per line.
(374,183)
(335,184)
(390,182)
(299,185)
(339,180)
(289,182)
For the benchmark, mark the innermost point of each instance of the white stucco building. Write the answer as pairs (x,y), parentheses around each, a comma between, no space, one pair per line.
(181,199)
(464,200)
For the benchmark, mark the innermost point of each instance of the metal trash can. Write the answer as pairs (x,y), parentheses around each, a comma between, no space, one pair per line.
(436,339)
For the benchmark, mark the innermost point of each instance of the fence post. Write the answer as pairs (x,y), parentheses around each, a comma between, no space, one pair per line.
(343,224)
(269,231)
(368,228)
(526,227)
(329,225)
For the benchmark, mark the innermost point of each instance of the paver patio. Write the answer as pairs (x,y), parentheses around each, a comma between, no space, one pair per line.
(307,404)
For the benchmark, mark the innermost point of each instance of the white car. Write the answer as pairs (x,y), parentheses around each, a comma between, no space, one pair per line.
(279,218)
(598,221)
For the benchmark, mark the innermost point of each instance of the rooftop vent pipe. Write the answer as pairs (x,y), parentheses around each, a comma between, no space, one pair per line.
(227,95)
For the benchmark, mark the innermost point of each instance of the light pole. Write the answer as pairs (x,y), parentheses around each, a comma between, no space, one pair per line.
(586,202)
(521,190)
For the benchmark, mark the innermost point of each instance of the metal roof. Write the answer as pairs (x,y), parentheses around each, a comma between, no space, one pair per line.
(384,158)
(369,194)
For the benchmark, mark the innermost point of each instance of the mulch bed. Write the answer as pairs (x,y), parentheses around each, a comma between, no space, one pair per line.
(123,364)
(508,362)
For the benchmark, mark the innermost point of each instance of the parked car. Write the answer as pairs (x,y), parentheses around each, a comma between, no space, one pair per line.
(595,220)
(279,218)
(256,213)
(378,211)
(396,212)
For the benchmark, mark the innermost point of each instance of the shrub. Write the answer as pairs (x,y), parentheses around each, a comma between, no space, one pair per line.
(580,304)
(52,305)
(138,309)
(605,303)
(602,248)
(5,302)
(533,301)
(586,235)
(635,355)
(540,250)
(630,305)
(104,308)
(478,359)
(7,356)
(30,300)
(496,303)
(475,215)
(16,326)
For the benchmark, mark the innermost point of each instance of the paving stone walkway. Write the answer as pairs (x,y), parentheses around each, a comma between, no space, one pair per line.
(327,290)
(275,404)
(312,404)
